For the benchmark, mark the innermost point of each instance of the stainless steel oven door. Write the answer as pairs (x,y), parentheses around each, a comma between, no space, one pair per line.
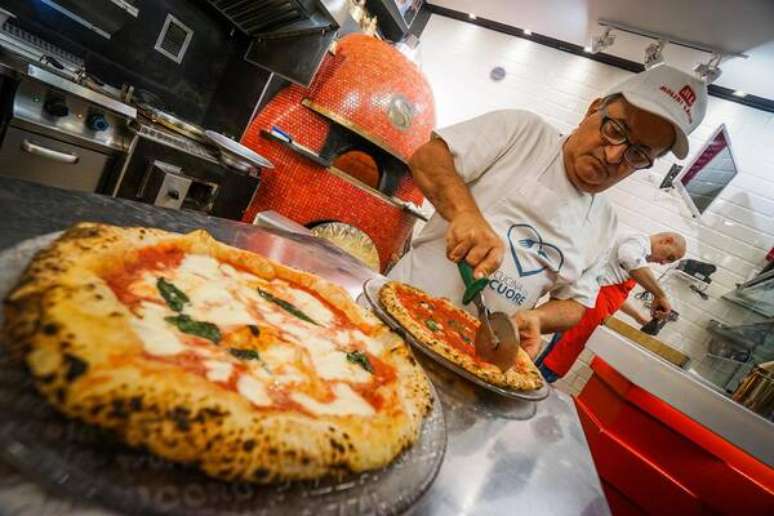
(30,156)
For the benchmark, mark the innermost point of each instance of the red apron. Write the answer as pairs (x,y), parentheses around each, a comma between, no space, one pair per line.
(572,342)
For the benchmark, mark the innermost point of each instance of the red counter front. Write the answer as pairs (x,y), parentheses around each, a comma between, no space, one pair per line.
(655,460)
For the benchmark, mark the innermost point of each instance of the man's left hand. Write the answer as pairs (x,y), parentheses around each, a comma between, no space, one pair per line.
(528,323)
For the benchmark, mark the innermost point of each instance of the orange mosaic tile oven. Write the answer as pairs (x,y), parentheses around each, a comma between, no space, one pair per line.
(352,132)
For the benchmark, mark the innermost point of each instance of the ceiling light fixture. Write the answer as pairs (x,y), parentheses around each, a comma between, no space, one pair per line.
(709,71)
(605,40)
(740,93)
(528,32)
(472,16)
(587,49)
(654,54)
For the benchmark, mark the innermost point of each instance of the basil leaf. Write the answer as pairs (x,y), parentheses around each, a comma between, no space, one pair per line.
(432,325)
(245,354)
(360,358)
(255,330)
(174,297)
(288,307)
(202,329)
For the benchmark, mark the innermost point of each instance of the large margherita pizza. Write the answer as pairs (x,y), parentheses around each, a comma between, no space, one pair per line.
(450,331)
(211,355)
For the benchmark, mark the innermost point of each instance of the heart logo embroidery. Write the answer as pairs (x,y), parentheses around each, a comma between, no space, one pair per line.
(527,237)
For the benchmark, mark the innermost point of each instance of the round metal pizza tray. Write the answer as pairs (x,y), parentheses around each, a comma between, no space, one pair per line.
(93,469)
(371,290)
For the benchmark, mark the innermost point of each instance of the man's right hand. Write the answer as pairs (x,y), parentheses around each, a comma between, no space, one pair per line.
(471,238)
(660,307)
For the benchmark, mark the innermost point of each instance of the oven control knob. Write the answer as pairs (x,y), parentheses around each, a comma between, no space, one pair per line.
(56,106)
(97,122)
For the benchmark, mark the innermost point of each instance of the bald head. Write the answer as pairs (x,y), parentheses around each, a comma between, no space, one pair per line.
(666,247)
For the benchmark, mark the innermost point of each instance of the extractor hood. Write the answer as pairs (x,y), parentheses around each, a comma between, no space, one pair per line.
(101,16)
(290,37)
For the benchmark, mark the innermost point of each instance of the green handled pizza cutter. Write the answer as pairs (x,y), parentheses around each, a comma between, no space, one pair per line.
(497,340)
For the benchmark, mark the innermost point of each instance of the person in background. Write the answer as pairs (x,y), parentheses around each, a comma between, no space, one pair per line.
(521,203)
(627,266)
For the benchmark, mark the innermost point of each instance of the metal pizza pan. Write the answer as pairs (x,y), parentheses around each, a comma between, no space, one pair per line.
(93,471)
(371,290)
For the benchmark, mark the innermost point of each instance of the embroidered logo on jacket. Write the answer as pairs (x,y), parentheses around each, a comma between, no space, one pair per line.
(526,237)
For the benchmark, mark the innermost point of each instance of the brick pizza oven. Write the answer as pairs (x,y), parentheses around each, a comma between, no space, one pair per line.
(353,131)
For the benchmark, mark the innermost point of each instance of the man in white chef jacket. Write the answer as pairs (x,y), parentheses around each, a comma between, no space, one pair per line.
(625,267)
(519,202)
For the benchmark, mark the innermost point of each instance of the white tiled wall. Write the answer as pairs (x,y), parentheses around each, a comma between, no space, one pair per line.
(735,234)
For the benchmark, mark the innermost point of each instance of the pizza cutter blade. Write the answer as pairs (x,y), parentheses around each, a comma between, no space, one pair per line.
(497,340)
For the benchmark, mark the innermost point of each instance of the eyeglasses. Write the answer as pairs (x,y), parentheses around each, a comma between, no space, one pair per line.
(615,134)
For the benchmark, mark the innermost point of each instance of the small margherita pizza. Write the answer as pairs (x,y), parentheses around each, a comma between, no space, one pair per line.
(450,331)
(215,356)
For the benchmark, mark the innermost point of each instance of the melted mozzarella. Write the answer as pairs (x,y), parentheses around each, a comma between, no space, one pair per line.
(157,335)
(372,345)
(288,374)
(210,291)
(217,370)
(278,354)
(347,402)
(145,288)
(310,305)
(201,265)
(218,294)
(335,366)
(309,339)
(253,390)
(212,302)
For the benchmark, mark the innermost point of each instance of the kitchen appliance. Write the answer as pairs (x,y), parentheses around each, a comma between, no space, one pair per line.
(395,16)
(290,38)
(63,134)
(756,390)
(65,128)
(101,16)
(697,269)
(167,168)
(71,130)
(167,186)
(713,168)
(173,123)
(340,147)
(756,294)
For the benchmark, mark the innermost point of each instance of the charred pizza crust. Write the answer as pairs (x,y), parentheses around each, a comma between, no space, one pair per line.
(523,376)
(74,334)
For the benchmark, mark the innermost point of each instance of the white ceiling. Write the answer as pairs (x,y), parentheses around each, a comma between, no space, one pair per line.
(738,26)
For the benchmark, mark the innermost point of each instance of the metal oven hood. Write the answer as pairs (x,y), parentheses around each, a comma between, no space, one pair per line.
(290,37)
(101,16)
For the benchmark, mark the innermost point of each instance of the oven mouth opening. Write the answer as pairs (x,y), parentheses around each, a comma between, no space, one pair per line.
(363,160)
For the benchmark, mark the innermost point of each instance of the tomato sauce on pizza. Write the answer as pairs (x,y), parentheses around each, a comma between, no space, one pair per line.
(448,323)
(231,352)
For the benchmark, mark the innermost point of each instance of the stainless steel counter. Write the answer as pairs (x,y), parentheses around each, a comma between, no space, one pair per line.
(503,456)
(686,392)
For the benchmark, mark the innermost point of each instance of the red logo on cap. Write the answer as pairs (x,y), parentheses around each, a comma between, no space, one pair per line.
(688,95)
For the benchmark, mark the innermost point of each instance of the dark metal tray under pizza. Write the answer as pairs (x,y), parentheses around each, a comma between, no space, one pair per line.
(90,466)
(371,290)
